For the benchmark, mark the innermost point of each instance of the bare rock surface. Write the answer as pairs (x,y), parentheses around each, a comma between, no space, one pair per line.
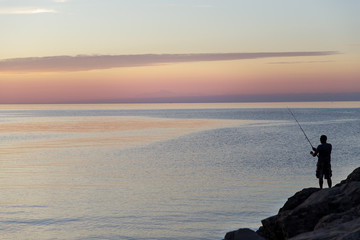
(243,234)
(330,213)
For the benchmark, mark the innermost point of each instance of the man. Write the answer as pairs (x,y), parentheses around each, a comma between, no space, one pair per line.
(323,166)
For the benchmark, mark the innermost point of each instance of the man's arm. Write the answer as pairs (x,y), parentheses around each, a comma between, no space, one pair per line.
(314,153)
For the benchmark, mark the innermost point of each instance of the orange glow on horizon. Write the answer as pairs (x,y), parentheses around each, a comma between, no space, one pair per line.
(182,79)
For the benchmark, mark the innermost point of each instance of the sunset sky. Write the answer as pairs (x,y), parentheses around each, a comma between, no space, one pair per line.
(99,51)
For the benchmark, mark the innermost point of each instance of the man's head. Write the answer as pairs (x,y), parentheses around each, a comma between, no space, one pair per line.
(323,139)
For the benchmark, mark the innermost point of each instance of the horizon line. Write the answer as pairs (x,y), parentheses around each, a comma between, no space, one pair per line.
(240,98)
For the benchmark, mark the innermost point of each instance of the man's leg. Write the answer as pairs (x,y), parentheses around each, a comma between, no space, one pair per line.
(329,182)
(321,181)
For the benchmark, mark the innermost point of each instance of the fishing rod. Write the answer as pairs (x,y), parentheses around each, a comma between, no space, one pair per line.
(300,127)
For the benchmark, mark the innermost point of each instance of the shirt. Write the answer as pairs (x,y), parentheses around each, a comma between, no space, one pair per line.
(324,152)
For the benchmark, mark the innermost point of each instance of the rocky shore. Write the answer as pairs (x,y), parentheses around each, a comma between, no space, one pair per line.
(313,213)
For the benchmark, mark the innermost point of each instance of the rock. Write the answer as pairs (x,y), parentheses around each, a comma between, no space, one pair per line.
(298,198)
(326,214)
(320,209)
(318,214)
(243,234)
(353,177)
(346,231)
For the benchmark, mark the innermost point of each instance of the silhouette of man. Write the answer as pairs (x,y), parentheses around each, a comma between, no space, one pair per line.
(323,166)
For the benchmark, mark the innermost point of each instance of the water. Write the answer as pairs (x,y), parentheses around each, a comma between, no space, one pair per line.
(167,171)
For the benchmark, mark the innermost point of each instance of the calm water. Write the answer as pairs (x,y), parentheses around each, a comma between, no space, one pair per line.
(170,171)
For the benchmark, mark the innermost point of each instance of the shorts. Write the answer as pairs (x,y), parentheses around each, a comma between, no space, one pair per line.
(323,169)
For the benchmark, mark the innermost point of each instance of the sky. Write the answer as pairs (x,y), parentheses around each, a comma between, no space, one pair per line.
(120,51)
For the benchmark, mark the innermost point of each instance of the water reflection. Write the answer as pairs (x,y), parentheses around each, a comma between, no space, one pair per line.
(34,133)
(124,177)
(65,175)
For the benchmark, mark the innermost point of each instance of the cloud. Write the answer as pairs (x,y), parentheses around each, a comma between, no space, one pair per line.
(87,62)
(299,62)
(10,11)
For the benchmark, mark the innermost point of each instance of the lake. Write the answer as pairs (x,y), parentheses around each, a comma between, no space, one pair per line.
(161,171)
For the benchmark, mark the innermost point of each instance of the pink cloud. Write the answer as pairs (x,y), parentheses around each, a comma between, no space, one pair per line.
(87,63)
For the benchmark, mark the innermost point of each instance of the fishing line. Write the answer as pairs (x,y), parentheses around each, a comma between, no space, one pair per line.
(300,127)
